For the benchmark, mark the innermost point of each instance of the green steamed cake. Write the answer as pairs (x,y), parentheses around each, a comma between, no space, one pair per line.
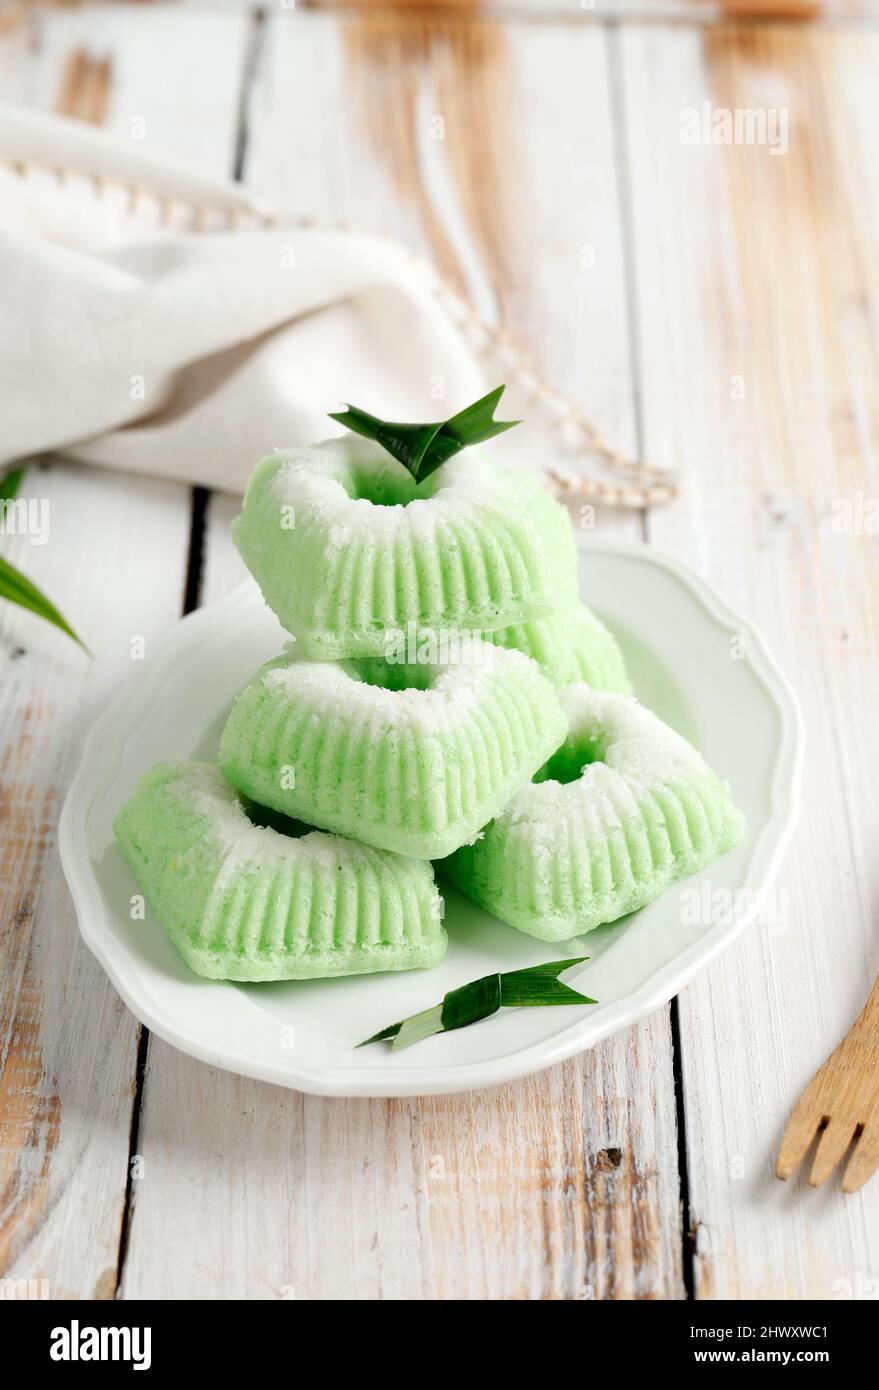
(241,901)
(570,647)
(348,549)
(624,808)
(413,758)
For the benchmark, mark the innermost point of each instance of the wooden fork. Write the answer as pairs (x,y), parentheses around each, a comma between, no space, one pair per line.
(842,1101)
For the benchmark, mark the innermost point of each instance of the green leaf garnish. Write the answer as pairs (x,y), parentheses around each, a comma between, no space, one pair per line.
(11,483)
(17,589)
(423,448)
(538,985)
(14,586)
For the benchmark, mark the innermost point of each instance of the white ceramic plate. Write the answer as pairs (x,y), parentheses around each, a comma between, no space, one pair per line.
(702,668)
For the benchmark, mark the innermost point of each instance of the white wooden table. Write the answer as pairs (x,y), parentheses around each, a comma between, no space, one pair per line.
(716,309)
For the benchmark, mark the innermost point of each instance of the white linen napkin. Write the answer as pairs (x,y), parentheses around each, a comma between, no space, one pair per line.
(190,353)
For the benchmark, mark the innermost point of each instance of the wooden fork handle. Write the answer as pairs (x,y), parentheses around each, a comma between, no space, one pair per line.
(868,1018)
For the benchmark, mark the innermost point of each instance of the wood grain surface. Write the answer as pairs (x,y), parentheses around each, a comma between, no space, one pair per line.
(713,307)
(759,274)
(543,1207)
(117,562)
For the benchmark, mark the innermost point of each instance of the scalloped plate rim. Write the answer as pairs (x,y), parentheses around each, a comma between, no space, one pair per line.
(117,724)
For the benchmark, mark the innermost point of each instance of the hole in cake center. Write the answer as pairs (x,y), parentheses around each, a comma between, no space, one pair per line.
(392,486)
(392,675)
(568,762)
(265,817)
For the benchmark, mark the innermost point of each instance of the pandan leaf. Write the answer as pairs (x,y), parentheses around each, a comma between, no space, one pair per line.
(16,589)
(424,448)
(538,985)
(14,586)
(11,483)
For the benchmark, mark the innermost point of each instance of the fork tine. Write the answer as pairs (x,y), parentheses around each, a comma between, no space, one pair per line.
(801,1130)
(865,1159)
(831,1147)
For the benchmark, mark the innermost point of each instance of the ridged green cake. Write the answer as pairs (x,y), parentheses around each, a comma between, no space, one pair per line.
(241,901)
(624,808)
(348,550)
(570,647)
(411,758)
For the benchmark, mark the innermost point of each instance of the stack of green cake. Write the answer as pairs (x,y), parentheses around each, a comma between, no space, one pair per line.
(447,698)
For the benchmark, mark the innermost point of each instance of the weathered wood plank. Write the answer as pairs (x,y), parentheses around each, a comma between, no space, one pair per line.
(758,282)
(168,78)
(581,11)
(566,1185)
(558,1187)
(488,148)
(116,562)
(16,12)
